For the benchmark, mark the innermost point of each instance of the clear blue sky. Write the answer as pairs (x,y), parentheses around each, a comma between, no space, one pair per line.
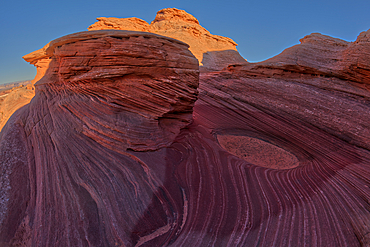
(262,28)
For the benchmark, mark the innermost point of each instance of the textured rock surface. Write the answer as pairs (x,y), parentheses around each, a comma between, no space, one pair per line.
(356,60)
(12,99)
(277,153)
(314,81)
(104,93)
(214,52)
(131,24)
(136,89)
(258,152)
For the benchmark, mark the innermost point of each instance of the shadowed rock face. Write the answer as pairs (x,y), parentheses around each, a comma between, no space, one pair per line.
(113,151)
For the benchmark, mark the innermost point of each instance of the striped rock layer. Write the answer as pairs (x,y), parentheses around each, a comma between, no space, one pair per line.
(274,154)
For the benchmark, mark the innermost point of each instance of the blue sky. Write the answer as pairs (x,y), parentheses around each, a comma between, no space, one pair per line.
(262,28)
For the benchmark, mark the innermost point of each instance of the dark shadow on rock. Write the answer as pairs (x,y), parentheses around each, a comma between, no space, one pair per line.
(218,60)
(210,197)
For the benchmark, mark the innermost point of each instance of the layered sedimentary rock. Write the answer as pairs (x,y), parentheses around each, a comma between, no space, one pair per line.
(314,81)
(136,89)
(305,102)
(214,52)
(321,55)
(118,148)
(356,60)
(104,93)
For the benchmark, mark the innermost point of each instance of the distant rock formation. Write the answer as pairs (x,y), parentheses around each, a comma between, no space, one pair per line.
(13,98)
(214,52)
(121,146)
(322,55)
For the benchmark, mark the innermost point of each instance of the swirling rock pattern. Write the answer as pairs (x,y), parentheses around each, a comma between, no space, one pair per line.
(138,93)
(74,173)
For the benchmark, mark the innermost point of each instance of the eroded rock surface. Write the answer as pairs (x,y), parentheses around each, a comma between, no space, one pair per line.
(11,99)
(136,89)
(118,148)
(313,81)
(104,93)
(214,52)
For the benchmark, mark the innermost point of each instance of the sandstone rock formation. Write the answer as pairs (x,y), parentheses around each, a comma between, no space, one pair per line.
(317,82)
(15,97)
(118,148)
(12,99)
(214,52)
(355,63)
(104,93)
(147,85)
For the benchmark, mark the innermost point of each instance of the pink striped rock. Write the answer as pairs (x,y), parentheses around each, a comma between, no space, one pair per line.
(115,150)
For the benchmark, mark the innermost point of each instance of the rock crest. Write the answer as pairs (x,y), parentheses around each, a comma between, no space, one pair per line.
(214,52)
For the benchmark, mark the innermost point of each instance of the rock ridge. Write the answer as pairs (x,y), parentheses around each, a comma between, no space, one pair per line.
(318,55)
(213,52)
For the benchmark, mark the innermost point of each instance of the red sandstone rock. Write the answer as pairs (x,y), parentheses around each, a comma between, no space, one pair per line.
(143,88)
(70,175)
(355,63)
(104,93)
(214,52)
(314,81)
